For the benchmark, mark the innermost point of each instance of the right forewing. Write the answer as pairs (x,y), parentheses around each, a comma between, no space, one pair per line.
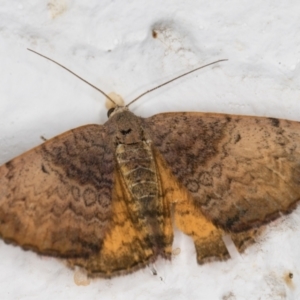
(241,171)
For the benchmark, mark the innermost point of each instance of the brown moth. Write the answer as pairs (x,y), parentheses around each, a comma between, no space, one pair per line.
(104,197)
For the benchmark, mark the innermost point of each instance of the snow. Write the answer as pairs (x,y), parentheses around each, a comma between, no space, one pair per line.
(128,47)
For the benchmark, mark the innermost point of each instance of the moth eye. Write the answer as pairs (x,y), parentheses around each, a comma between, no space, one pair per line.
(110,111)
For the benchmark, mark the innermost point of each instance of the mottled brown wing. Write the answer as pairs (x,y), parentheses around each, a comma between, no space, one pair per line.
(241,171)
(126,246)
(56,198)
(188,217)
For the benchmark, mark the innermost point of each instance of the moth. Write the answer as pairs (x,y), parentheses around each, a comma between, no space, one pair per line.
(105,197)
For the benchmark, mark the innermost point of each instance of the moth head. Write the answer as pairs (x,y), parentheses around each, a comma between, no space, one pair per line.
(115,110)
(114,107)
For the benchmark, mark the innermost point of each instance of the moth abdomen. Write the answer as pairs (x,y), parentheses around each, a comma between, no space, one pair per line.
(138,169)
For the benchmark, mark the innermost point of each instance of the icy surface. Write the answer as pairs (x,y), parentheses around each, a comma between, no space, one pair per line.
(128,47)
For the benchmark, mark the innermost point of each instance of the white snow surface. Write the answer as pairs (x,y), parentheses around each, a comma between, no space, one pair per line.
(110,43)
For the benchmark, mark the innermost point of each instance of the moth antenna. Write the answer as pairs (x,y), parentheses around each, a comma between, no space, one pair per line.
(165,83)
(104,94)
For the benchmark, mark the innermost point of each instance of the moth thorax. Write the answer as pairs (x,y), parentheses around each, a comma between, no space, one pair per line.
(137,166)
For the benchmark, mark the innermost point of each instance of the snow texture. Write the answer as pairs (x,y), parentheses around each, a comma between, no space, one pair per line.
(128,47)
